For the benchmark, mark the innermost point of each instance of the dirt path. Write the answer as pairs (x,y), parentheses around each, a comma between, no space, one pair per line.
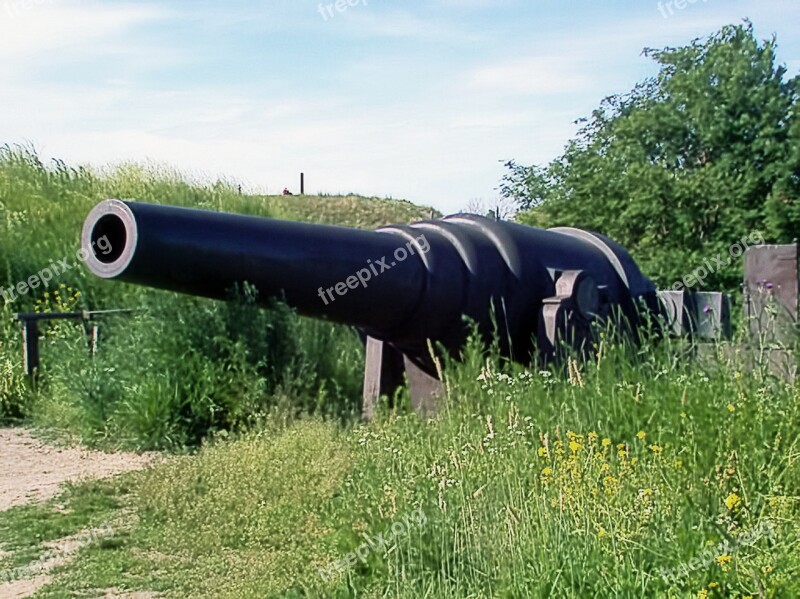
(32,470)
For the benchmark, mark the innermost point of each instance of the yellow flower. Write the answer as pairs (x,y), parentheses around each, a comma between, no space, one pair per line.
(542,452)
(683,414)
(712,585)
(737,375)
(724,560)
(656,448)
(641,435)
(731,408)
(574,446)
(606,442)
(702,594)
(732,501)
(547,471)
(592,436)
(601,533)
(609,481)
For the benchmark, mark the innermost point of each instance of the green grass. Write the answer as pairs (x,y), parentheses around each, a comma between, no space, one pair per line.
(25,531)
(350,210)
(575,483)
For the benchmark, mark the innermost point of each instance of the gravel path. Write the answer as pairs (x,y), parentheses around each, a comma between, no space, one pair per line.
(32,470)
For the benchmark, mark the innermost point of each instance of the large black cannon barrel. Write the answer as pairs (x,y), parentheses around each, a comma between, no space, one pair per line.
(403,284)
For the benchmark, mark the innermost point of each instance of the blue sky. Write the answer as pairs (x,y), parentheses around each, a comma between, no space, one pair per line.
(416,100)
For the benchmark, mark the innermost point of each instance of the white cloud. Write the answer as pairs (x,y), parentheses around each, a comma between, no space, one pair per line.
(366,21)
(48,26)
(536,75)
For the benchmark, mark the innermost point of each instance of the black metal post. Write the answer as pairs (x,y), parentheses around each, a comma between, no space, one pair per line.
(30,347)
(30,332)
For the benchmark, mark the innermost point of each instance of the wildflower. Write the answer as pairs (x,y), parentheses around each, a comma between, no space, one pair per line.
(737,375)
(641,435)
(601,533)
(723,561)
(491,427)
(574,446)
(702,594)
(592,436)
(606,442)
(683,414)
(731,408)
(542,451)
(732,501)
(547,471)
(713,585)
(656,448)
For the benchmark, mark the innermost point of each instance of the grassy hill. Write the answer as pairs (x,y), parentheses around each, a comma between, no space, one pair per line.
(636,474)
(350,210)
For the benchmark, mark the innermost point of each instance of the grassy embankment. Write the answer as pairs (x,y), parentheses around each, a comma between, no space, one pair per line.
(591,480)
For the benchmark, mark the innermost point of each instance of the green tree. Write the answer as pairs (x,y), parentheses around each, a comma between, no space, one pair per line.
(686,164)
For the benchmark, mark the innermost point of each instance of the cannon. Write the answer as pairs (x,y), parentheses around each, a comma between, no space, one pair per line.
(412,290)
